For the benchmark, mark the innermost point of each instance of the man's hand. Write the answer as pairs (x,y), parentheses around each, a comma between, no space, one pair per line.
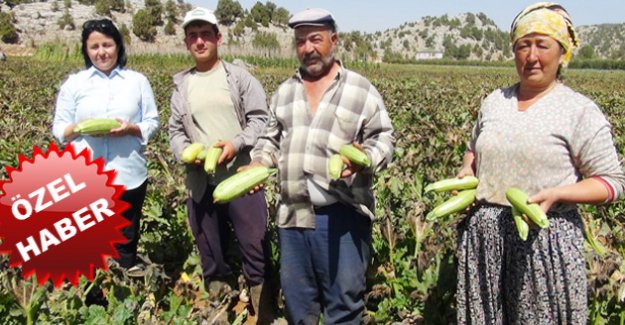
(351,168)
(258,187)
(229,151)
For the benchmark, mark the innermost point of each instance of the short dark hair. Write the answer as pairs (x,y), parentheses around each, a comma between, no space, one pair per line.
(197,23)
(106,27)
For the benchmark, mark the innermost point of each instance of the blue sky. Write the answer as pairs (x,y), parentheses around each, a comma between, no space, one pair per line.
(378,15)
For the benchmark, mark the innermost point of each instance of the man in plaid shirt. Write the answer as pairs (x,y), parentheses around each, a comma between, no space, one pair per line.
(324,224)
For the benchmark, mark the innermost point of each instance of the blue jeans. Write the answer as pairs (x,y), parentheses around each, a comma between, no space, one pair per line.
(325,268)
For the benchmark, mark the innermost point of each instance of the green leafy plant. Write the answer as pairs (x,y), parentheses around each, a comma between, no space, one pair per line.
(412,274)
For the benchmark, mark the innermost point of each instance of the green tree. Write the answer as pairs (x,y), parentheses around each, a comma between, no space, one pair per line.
(142,25)
(154,9)
(452,51)
(406,44)
(228,11)
(485,20)
(171,11)
(267,42)
(8,33)
(507,51)
(169,28)
(103,7)
(470,20)
(66,21)
(184,7)
(359,46)
(392,57)
(67,3)
(281,16)
(476,33)
(477,50)
(249,22)
(464,51)
(123,29)
(239,28)
(260,13)
(429,42)
(586,52)
(454,23)
(271,9)
(117,5)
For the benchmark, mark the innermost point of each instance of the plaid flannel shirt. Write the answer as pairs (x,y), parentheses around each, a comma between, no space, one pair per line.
(300,144)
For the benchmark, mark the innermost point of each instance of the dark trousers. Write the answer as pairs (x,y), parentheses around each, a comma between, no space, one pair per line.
(325,268)
(128,251)
(210,224)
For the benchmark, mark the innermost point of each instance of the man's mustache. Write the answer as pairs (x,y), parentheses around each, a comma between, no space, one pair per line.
(312,56)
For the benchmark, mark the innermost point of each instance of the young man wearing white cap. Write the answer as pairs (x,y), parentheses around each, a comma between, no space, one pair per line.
(324,224)
(222,105)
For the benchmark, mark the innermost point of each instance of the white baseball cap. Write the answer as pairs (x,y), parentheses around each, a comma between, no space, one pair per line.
(199,13)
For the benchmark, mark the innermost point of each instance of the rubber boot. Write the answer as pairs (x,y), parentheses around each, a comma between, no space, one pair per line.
(219,296)
(263,308)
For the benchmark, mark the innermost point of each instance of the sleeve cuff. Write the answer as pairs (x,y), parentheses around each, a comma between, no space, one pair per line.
(237,142)
(608,186)
(262,159)
(144,133)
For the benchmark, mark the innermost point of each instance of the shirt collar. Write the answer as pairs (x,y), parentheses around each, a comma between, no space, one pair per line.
(115,72)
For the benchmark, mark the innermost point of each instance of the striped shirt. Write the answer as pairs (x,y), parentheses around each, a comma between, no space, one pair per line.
(300,144)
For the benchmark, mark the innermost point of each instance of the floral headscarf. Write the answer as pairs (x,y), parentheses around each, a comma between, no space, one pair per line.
(550,19)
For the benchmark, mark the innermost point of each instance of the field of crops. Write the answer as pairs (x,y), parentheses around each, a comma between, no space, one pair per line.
(412,275)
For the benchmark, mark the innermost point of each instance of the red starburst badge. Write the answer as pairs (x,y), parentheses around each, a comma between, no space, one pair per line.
(60,215)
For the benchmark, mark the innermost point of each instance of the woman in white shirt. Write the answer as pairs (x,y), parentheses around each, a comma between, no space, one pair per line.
(106,89)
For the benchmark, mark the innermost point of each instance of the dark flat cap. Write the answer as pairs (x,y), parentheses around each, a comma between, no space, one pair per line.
(312,17)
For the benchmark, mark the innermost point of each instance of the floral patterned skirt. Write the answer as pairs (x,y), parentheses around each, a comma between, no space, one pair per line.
(504,280)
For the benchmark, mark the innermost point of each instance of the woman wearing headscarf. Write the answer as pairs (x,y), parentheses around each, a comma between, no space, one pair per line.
(107,89)
(554,144)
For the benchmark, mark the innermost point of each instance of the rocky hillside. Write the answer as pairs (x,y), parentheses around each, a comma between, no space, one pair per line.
(603,41)
(38,23)
(466,36)
(476,37)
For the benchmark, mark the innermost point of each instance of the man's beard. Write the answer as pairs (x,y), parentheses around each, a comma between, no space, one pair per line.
(321,67)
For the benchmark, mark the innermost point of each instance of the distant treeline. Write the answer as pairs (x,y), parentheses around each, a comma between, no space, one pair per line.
(598,64)
(575,64)
(453,62)
(60,52)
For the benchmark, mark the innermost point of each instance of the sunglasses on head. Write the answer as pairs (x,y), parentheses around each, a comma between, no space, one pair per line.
(98,24)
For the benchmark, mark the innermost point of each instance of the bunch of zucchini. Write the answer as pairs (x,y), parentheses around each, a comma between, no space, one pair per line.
(467,187)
